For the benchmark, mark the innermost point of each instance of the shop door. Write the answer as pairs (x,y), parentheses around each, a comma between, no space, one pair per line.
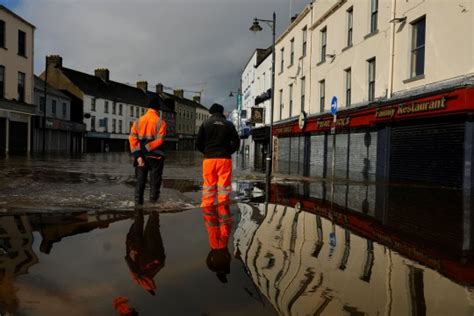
(432,153)
(18,137)
(3,134)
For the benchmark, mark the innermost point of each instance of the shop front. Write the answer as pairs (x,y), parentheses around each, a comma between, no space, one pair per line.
(425,139)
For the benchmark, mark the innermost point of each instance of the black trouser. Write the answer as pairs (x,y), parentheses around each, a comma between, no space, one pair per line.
(155,167)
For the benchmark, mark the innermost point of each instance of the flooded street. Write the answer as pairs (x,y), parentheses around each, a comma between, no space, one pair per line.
(68,231)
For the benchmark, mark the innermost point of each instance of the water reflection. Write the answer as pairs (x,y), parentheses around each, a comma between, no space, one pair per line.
(309,256)
(145,253)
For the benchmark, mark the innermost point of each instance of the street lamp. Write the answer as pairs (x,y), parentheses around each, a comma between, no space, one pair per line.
(257,28)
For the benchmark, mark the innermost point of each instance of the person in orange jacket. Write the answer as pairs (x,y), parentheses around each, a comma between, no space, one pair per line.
(217,139)
(147,137)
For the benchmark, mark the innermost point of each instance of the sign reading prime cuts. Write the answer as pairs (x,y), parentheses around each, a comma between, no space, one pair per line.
(406,109)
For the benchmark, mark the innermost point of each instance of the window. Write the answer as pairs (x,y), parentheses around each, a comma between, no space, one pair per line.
(93,104)
(348,86)
(53,107)
(137,112)
(114,122)
(2,82)
(322,92)
(305,40)
(374,7)
(418,47)
(290,100)
(120,109)
(2,33)
(371,65)
(303,88)
(21,87)
(292,51)
(131,111)
(120,127)
(349,26)
(281,102)
(282,62)
(64,109)
(92,123)
(42,104)
(130,126)
(143,111)
(323,44)
(106,106)
(21,43)
(114,108)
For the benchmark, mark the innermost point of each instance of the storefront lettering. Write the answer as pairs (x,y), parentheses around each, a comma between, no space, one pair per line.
(283,130)
(405,109)
(342,122)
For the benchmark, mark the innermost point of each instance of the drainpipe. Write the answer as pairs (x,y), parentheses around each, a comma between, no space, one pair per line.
(392,51)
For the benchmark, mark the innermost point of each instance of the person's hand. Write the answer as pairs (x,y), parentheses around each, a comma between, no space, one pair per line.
(141,162)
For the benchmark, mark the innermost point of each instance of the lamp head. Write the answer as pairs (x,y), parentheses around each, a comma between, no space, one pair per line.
(231,94)
(255,26)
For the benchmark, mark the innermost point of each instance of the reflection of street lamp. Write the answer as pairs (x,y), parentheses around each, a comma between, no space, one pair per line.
(238,95)
(257,28)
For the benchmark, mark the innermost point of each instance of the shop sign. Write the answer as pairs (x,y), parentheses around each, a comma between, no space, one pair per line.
(257,115)
(341,122)
(411,108)
(283,130)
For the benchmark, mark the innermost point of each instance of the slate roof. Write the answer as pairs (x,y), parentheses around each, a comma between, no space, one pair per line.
(111,90)
(185,101)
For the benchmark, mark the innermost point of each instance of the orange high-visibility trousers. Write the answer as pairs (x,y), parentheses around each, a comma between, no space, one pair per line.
(217,176)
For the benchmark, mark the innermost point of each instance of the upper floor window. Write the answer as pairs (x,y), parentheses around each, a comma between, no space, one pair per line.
(281,102)
(303,89)
(305,40)
(120,127)
(131,111)
(120,109)
(106,106)
(21,43)
(349,26)
(21,87)
(282,61)
(290,100)
(374,8)
(371,85)
(323,44)
(114,108)
(92,123)
(2,33)
(64,109)
(348,86)
(292,51)
(2,82)
(53,107)
(137,112)
(93,104)
(418,47)
(322,95)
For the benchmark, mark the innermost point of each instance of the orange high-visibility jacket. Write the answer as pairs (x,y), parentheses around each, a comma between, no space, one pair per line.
(147,135)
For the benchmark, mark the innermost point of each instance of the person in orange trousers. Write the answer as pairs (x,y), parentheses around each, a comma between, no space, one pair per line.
(217,139)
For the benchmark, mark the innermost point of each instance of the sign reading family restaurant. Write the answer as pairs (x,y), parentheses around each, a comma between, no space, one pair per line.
(411,108)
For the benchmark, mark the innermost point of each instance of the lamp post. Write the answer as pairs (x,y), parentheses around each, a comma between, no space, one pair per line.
(45,103)
(268,166)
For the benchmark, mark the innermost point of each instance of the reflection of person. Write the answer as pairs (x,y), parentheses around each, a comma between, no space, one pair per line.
(145,252)
(147,137)
(218,261)
(217,139)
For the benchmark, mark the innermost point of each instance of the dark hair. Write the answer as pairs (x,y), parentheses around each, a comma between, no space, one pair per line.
(216,108)
(154,103)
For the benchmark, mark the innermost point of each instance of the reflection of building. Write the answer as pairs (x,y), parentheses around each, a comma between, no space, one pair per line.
(16,257)
(337,261)
(16,82)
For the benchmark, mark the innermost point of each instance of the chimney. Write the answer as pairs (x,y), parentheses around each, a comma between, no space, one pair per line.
(55,61)
(102,73)
(197,99)
(179,93)
(159,88)
(142,85)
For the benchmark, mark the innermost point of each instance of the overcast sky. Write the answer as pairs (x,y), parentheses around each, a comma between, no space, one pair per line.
(189,44)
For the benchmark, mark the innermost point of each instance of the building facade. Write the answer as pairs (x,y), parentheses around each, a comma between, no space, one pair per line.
(403,95)
(16,82)
(61,134)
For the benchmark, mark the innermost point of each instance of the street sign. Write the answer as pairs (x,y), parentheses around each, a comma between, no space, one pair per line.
(334,105)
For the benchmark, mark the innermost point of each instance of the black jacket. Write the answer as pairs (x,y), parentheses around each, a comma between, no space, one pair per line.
(217,137)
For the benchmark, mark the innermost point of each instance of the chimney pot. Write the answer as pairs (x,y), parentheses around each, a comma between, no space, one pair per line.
(102,73)
(159,88)
(179,93)
(142,85)
(197,99)
(55,61)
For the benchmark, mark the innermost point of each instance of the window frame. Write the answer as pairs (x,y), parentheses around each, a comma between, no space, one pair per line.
(305,41)
(290,99)
(322,95)
(292,51)
(3,34)
(323,33)
(374,9)
(303,92)
(415,49)
(21,43)
(371,78)
(348,86)
(282,61)
(21,85)
(350,26)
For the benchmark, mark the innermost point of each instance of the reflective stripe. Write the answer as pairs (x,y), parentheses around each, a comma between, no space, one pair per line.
(135,150)
(145,138)
(134,135)
(157,129)
(223,192)
(212,224)
(208,193)
(225,216)
(208,187)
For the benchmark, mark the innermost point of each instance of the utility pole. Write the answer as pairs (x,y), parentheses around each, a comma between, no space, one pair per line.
(45,103)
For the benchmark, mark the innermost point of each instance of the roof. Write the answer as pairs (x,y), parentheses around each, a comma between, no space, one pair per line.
(262,55)
(16,15)
(184,101)
(111,90)
(39,85)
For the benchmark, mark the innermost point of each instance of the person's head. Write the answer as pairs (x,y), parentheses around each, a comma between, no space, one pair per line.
(154,103)
(216,108)
(218,261)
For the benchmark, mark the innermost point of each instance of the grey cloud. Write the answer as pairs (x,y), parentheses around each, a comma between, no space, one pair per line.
(200,44)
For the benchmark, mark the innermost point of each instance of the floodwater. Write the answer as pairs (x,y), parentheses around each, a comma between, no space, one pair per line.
(68,226)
